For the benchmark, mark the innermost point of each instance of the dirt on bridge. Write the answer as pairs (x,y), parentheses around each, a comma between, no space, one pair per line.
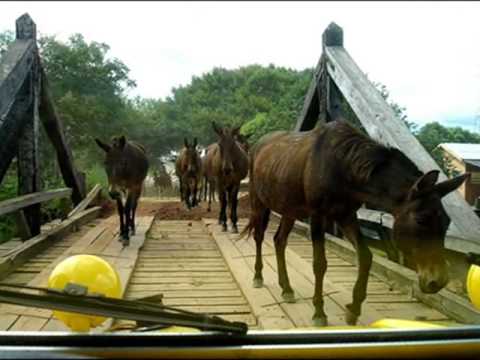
(174,210)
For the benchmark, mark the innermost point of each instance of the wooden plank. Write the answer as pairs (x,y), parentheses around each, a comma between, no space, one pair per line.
(19,255)
(135,280)
(126,262)
(23,201)
(265,308)
(210,301)
(7,320)
(382,125)
(28,323)
(92,195)
(181,274)
(192,294)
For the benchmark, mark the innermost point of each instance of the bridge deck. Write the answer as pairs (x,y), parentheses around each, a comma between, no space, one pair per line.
(199,268)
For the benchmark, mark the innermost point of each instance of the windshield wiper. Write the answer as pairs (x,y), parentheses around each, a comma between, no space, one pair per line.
(147,312)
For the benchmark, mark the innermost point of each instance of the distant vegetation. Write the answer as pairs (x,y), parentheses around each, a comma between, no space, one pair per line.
(89,87)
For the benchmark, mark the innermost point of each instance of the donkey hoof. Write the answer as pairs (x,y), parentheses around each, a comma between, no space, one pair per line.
(234,229)
(320,321)
(208,209)
(257,283)
(224,227)
(289,297)
(350,317)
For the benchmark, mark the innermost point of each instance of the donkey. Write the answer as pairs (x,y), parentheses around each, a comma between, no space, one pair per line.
(126,165)
(327,174)
(188,168)
(227,165)
(208,179)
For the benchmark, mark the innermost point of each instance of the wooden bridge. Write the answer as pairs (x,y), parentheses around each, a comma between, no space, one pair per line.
(199,268)
(192,263)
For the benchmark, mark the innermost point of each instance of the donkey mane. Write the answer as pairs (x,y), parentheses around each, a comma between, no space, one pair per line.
(363,156)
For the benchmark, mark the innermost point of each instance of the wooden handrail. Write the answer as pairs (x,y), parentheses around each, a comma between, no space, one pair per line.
(18,203)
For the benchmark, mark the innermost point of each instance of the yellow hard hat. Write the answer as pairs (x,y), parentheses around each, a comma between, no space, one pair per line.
(473,285)
(89,271)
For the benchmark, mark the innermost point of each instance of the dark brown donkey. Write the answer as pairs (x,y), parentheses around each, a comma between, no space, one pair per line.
(188,168)
(209,178)
(326,174)
(227,165)
(126,165)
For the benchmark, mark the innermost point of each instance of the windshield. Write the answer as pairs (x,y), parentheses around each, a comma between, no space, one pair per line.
(277,166)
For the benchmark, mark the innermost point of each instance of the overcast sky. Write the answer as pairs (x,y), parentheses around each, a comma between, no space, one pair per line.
(428,54)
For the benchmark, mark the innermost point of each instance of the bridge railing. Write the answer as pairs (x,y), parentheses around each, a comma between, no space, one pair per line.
(25,102)
(338,79)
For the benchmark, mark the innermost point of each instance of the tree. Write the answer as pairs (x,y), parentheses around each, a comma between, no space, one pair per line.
(433,134)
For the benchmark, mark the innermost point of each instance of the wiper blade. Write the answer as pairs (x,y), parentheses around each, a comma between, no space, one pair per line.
(141,311)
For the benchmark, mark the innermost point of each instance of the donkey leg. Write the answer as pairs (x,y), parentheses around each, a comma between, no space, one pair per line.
(317,229)
(233,202)
(260,222)
(351,229)
(135,198)
(121,214)
(128,219)
(222,220)
(209,207)
(280,239)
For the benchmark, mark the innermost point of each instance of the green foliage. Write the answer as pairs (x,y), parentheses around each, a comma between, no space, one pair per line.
(6,38)
(433,134)
(8,190)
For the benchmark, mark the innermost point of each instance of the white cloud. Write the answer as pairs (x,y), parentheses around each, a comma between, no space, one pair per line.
(426,53)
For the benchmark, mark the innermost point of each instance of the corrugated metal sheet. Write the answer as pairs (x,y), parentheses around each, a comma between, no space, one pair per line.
(463,151)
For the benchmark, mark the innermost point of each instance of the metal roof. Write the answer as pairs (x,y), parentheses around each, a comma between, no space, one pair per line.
(462,151)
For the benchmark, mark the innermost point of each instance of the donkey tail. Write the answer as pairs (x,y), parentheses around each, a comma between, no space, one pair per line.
(247,230)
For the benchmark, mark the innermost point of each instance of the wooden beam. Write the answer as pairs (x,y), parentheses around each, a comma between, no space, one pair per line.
(87,201)
(15,67)
(23,228)
(21,202)
(15,99)
(19,255)
(309,115)
(55,131)
(28,151)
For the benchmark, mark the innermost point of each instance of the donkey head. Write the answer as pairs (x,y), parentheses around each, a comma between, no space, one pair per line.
(114,162)
(227,138)
(420,227)
(191,157)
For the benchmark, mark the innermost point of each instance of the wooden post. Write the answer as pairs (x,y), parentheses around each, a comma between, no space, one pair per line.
(54,128)
(28,152)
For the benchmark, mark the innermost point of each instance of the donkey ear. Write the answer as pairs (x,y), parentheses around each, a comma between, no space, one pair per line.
(236,130)
(122,141)
(185,142)
(217,129)
(194,143)
(426,181)
(102,145)
(448,186)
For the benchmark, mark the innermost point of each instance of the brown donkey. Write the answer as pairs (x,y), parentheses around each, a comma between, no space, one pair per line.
(326,174)
(188,168)
(226,166)
(126,165)
(209,178)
